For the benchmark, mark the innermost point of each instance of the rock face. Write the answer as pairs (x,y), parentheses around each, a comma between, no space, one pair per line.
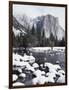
(49,24)
(42,31)
(18,28)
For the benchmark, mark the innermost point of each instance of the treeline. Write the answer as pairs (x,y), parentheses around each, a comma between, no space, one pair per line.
(33,38)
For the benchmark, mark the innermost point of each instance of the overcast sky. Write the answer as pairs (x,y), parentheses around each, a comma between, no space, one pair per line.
(34,11)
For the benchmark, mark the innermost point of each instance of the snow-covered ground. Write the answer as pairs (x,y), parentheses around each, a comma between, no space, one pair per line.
(42,49)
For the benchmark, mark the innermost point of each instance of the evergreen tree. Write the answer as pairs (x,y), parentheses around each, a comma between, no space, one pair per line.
(56,41)
(43,38)
(52,37)
(62,42)
(33,30)
(52,41)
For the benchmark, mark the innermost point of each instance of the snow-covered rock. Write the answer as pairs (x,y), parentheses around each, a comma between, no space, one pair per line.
(50,65)
(26,57)
(22,75)
(18,84)
(35,65)
(17,70)
(57,67)
(21,64)
(51,80)
(41,65)
(35,81)
(31,59)
(42,77)
(42,80)
(57,62)
(52,68)
(37,73)
(42,73)
(29,67)
(61,79)
(50,75)
(61,72)
(15,77)
(17,57)
(20,70)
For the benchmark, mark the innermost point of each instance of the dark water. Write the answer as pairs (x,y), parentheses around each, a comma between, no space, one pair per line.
(51,57)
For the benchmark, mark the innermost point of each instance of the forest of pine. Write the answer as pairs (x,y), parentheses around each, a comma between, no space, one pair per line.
(34,39)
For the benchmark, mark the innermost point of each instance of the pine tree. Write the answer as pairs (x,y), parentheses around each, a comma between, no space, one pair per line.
(33,30)
(43,38)
(52,37)
(52,41)
(62,42)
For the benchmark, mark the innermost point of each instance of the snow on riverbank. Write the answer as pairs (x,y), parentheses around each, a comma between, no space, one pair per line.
(42,49)
(24,72)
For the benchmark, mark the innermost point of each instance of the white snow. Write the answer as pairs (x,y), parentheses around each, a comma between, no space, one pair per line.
(51,80)
(18,84)
(41,76)
(44,49)
(35,81)
(41,65)
(57,67)
(15,77)
(35,65)
(16,32)
(22,75)
(51,75)
(61,71)
(48,65)
(28,67)
(39,80)
(37,73)
(30,58)
(20,70)
(17,58)
(52,68)
(42,80)
(58,48)
(61,79)
(42,73)
(39,49)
